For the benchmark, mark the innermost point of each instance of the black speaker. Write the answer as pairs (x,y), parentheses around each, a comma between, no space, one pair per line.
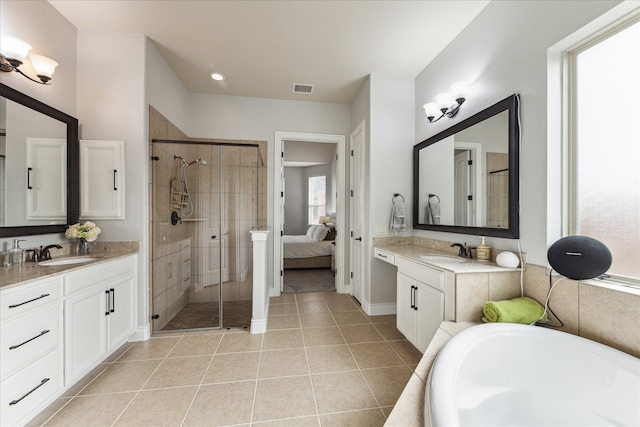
(579,257)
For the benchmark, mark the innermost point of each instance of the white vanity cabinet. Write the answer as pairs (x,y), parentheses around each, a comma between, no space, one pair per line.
(99,314)
(30,349)
(420,302)
(102,179)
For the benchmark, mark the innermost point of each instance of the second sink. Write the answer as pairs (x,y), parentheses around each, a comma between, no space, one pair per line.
(67,261)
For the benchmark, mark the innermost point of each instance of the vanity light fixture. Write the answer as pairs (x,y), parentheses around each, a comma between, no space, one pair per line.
(447,104)
(13,53)
(216,76)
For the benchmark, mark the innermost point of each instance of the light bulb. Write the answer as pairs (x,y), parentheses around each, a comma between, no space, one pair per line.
(431,109)
(43,66)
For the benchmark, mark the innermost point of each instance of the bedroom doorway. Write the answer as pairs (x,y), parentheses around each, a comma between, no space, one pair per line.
(309,164)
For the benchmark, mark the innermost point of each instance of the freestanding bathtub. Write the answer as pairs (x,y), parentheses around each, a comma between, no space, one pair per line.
(518,375)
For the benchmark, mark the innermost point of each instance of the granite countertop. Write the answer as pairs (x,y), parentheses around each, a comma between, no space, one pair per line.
(415,252)
(31,271)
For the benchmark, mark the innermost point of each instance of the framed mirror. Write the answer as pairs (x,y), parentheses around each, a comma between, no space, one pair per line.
(39,166)
(466,178)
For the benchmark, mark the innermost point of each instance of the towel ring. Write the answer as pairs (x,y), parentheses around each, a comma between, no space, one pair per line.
(436,196)
(396,195)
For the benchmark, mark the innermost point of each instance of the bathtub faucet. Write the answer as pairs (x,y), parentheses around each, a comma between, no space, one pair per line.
(464,251)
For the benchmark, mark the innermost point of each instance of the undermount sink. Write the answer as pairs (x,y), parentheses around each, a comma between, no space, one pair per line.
(443,258)
(68,261)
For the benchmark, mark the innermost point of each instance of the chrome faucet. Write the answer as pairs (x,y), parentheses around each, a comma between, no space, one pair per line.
(42,254)
(464,251)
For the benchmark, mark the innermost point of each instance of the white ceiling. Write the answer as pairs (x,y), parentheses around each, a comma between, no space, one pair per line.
(264,47)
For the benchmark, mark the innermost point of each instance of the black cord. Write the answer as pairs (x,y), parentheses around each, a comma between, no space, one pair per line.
(550,309)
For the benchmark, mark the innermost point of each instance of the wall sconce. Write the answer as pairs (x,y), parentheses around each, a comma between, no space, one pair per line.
(447,104)
(13,52)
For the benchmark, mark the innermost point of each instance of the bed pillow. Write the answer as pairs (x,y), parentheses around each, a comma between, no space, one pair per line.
(317,232)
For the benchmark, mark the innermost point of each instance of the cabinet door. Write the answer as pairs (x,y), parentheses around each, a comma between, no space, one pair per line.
(101,179)
(122,300)
(406,315)
(46,179)
(430,314)
(85,331)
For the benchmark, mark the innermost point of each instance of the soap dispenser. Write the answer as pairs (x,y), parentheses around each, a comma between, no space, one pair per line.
(15,255)
(483,251)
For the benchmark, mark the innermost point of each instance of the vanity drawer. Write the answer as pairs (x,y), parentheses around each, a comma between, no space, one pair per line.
(26,392)
(22,299)
(26,338)
(422,273)
(384,256)
(101,273)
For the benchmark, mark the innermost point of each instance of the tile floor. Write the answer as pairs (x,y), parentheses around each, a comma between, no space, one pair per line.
(322,362)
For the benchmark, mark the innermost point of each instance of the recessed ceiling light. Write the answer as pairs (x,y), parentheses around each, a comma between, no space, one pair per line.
(216,76)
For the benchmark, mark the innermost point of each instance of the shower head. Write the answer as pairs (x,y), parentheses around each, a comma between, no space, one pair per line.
(201,161)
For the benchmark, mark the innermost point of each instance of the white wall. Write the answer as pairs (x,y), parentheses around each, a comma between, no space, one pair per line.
(504,51)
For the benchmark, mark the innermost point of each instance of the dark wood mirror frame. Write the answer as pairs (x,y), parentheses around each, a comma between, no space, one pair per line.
(73,165)
(510,104)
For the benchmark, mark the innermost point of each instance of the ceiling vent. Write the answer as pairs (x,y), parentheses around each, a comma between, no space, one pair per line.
(302,88)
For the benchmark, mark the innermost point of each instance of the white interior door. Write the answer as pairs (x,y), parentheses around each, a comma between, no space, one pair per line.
(463,205)
(357,211)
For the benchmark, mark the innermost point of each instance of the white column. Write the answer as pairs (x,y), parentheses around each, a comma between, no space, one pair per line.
(260,305)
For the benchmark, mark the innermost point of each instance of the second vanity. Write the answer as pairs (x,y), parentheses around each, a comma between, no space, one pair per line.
(57,323)
(433,286)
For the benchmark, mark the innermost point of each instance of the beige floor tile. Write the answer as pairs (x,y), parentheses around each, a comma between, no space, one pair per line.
(179,372)
(196,345)
(334,296)
(222,404)
(50,410)
(281,339)
(361,418)
(350,318)
(410,410)
(386,410)
(384,318)
(84,381)
(342,305)
(279,398)
(164,407)
(305,297)
(97,411)
(312,307)
(407,352)
(360,333)
(389,331)
(387,383)
(283,321)
(291,422)
(375,355)
(240,342)
(327,335)
(330,359)
(282,363)
(233,367)
(122,376)
(282,299)
(276,309)
(119,352)
(342,391)
(313,320)
(155,348)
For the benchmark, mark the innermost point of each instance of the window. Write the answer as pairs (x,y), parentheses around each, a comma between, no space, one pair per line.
(604,147)
(317,198)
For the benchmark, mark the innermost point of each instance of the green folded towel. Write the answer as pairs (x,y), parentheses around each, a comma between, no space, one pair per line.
(517,310)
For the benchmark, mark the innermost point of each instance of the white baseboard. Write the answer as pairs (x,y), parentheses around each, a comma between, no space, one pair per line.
(378,309)
(258,326)
(142,333)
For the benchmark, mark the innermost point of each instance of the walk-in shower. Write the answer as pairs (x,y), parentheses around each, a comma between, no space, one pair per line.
(202,259)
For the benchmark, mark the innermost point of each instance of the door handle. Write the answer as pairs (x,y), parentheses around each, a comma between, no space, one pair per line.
(113,300)
(108,302)
(359,239)
(29,187)
(115,174)
(415,300)
(411,296)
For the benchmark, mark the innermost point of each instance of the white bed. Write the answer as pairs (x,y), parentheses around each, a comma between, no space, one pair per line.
(305,251)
